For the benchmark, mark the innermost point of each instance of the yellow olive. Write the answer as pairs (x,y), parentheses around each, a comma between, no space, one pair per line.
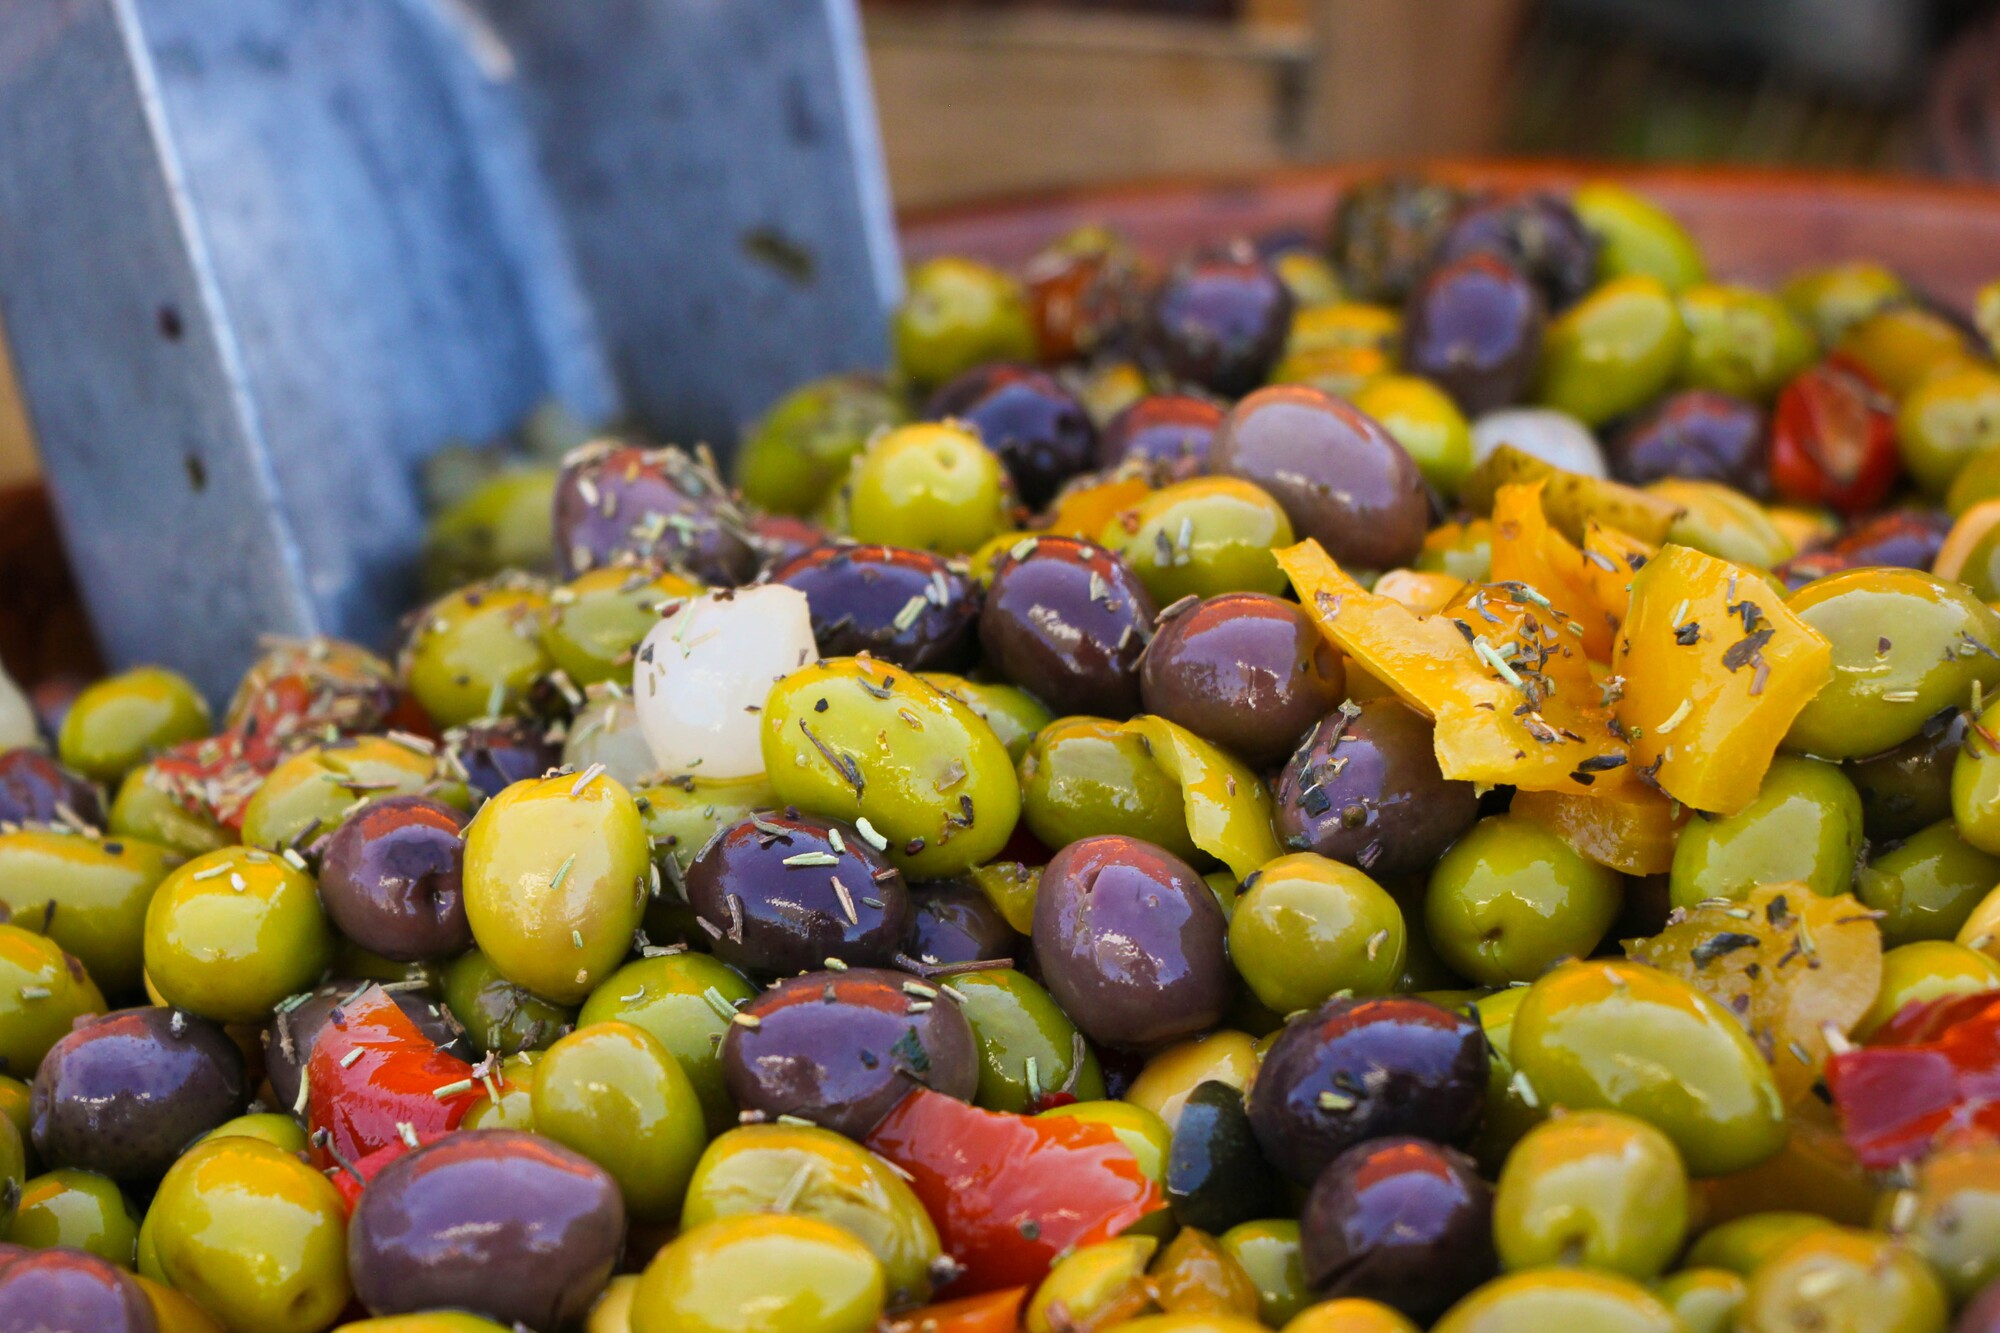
(230,934)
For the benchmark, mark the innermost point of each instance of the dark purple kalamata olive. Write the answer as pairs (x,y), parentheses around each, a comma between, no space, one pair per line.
(1539,234)
(786,892)
(1474,326)
(842,1048)
(1131,942)
(1354,1070)
(512,1226)
(1901,538)
(288,1038)
(1698,435)
(659,505)
(953,922)
(122,1094)
(1384,231)
(913,608)
(1908,787)
(390,879)
(1402,1221)
(1364,787)
(1170,428)
(35,789)
(1066,620)
(69,1291)
(1039,429)
(1246,670)
(495,754)
(1342,479)
(1219,320)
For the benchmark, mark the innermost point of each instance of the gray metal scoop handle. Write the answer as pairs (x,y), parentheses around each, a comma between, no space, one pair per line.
(258,258)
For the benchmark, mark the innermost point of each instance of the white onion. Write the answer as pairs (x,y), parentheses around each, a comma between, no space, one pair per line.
(1554,437)
(606,731)
(702,671)
(17,716)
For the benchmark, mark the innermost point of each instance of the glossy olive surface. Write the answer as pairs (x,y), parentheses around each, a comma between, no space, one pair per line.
(660,505)
(1066,620)
(392,879)
(1219,320)
(1246,670)
(1697,435)
(35,789)
(1399,1220)
(65,1289)
(1474,326)
(913,608)
(1025,415)
(1165,428)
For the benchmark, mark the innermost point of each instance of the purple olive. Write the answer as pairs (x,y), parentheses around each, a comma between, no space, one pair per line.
(1384,231)
(1900,538)
(1066,620)
(1539,234)
(35,789)
(390,879)
(1161,428)
(913,608)
(1131,942)
(122,1094)
(1474,326)
(1219,320)
(512,1226)
(1402,1221)
(953,922)
(1697,435)
(68,1291)
(1246,670)
(842,1048)
(618,501)
(493,755)
(1354,1070)
(288,1038)
(1039,429)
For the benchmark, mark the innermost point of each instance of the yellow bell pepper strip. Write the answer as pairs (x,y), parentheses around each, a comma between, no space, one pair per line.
(1425,592)
(1527,550)
(1610,560)
(1571,499)
(1083,510)
(1628,826)
(1227,806)
(1714,667)
(1501,673)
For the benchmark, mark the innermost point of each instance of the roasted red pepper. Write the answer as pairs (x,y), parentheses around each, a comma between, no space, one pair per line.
(1931,1073)
(1009,1192)
(1833,439)
(994,1312)
(371,1073)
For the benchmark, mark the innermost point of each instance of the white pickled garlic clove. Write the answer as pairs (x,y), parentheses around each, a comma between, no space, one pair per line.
(1553,436)
(702,674)
(17,715)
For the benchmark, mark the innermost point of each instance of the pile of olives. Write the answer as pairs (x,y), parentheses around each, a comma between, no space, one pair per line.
(594,961)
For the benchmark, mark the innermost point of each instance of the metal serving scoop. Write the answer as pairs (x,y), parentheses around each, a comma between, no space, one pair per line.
(258,258)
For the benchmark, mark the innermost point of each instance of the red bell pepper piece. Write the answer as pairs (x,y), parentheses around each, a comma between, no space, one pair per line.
(994,1312)
(1010,1192)
(371,1072)
(1929,1074)
(1833,439)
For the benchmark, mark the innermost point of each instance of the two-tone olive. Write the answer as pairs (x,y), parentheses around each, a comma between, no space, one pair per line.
(1307,927)
(1218,320)
(1171,428)
(1343,480)
(1593,1188)
(87,894)
(79,1210)
(1804,825)
(913,608)
(310,795)
(1025,415)
(144,809)
(1613,351)
(1907,787)
(1511,897)
(1247,671)
(1216,1175)
(663,507)
(505,1224)
(1401,1220)
(123,1094)
(761,1274)
(391,879)
(1698,435)
(840,1049)
(1028,1047)
(289,1036)
(35,789)
(782,893)
(1354,1070)
(1066,620)
(1202,537)
(952,921)
(68,1289)
(493,754)
(1131,942)
(230,934)
(1084,776)
(499,1015)
(1474,327)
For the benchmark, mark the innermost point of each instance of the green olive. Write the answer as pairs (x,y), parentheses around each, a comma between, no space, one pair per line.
(957,314)
(808,1172)
(1613,351)
(80,1210)
(514,1108)
(929,487)
(1905,645)
(1950,1216)
(799,450)
(1723,522)
(1621,1036)
(505,522)
(613,1093)
(1948,420)
(1169,1075)
(1268,1250)
(1927,970)
(1014,714)
(87,894)
(1741,341)
(1093,1285)
(1805,825)
(1510,898)
(1927,887)
(253,1234)
(143,810)
(1594,1188)
(685,812)
(1742,1244)
(856,739)
(1978,479)
(1027,1045)
(762,1273)
(311,794)
(1835,298)
(1509,1115)
(595,621)
(121,721)
(270,1126)
(1547,1299)
(1981,571)
(1704,1299)
(1841,1280)
(498,1015)
(17,1108)
(1308,926)
(14,1149)
(685,1000)
(1191,1321)
(1203,537)
(475,652)
(351,960)
(1426,422)
(230,934)
(438,1321)
(1083,776)
(1349,1314)
(556,876)
(1636,235)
